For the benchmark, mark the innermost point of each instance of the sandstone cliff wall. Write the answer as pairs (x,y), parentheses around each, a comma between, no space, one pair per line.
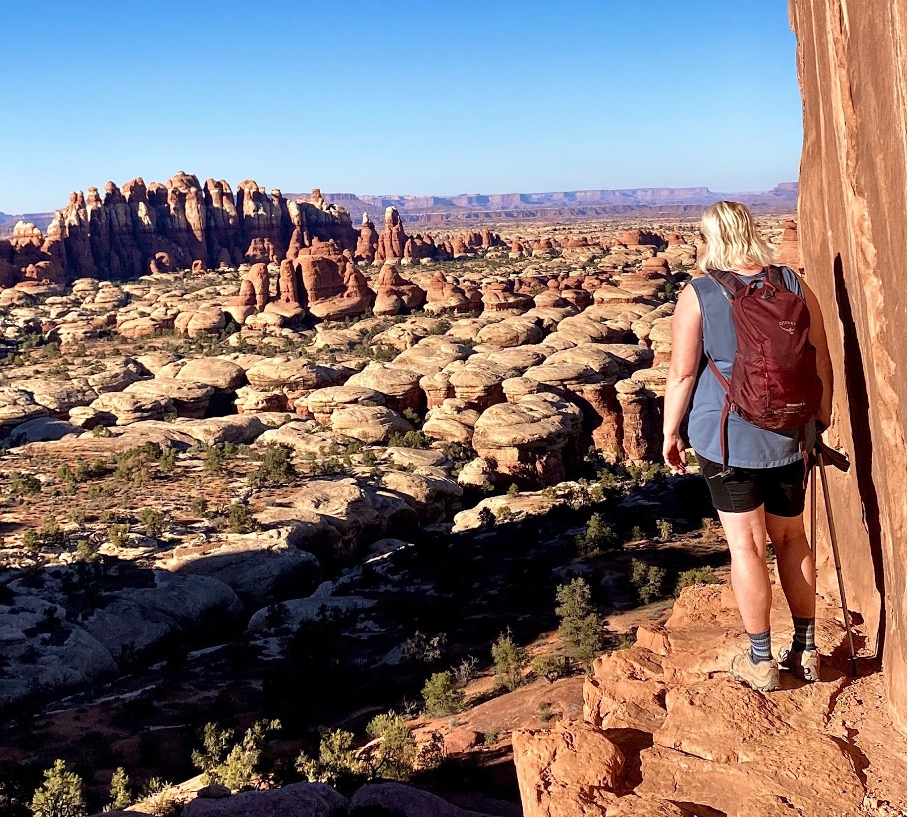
(851,69)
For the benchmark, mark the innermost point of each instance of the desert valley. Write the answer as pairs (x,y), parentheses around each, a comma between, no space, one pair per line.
(383,501)
(267,466)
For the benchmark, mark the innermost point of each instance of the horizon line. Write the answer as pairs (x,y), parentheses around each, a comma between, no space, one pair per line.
(454,195)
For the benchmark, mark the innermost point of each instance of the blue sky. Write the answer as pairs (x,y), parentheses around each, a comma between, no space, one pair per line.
(423,97)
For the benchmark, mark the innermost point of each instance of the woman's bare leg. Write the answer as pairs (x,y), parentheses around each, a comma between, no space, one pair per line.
(746,535)
(797,572)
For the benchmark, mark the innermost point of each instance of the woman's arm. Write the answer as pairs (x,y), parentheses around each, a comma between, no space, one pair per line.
(817,337)
(687,349)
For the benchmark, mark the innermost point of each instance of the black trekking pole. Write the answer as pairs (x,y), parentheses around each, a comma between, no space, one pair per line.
(813,512)
(841,462)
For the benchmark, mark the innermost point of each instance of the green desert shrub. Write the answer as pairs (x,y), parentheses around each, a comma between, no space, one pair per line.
(275,467)
(240,769)
(551,667)
(397,749)
(579,627)
(61,793)
(154,522)
(134,466)
(643,473)
(215,460)
(383,353)
(22,484)
(336,764)
(237,767)
(597,538)
(485,518)
(442,694)
(413,439)
(52,535)
(647,579)
(168,459)
(239,520)
(695,576)
(99,467)
(120,792)
(158,798)
(509,659)
(66,476)
(86,551)
(423,648)
(117,534)
(215,744)
(31,542)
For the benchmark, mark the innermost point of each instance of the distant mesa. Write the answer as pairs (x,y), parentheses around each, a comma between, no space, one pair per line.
(519,206)
(500,207)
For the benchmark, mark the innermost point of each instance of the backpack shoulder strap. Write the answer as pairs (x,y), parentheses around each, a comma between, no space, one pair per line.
(791,280)
(774,276)
(728,281)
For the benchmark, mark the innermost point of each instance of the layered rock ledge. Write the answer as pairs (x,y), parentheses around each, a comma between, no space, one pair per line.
(666,730)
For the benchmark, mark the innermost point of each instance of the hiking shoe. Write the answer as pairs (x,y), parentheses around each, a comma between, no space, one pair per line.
(804,664)
(762,676)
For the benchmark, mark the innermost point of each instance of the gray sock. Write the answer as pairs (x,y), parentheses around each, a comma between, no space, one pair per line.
(803,635)
(760,647)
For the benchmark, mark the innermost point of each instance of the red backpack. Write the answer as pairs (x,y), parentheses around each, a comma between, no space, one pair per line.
(774,382)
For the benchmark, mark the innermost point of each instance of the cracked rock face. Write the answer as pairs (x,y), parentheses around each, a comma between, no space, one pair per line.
(561,769)
(851,213)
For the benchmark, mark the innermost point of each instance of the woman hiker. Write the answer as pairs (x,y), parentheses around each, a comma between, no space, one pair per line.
(756,476)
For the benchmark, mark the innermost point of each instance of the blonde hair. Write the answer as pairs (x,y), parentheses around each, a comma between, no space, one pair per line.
(732,240)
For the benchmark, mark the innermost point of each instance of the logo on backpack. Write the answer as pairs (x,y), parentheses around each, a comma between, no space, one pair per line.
(788,326)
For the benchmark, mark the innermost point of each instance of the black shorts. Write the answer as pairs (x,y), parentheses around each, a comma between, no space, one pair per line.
(780,489)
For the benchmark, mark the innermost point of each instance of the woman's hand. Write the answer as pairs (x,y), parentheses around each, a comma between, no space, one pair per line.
(687,349)
(675,453)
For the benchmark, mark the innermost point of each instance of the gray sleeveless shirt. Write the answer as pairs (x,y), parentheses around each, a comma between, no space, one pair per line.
(748,445)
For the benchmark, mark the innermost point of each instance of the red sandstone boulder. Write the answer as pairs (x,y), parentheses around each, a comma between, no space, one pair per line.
(570,770)
(394,294)
(419,247)
(534,440)
(259,281)
(789,248)
(393,239)
(755,744)
(500,295)
(367,243)
(635,237)
(334,292)
(445,296)
(290,285)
